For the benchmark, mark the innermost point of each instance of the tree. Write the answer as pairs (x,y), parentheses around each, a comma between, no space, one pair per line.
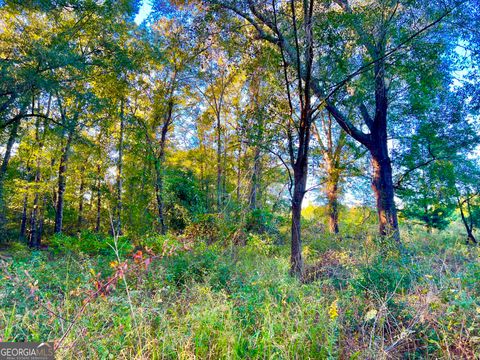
(467,180)
(368,60)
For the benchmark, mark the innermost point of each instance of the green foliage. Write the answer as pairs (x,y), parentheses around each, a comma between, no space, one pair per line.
(241,303)
(259,244)
(262,221)
(89,243)
(383,276)
(184,199)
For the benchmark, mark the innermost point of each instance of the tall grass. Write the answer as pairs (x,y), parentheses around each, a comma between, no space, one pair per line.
(215,303)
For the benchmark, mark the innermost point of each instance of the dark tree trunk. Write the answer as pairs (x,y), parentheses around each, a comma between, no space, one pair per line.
(3,170)
(382,185)
(34,238)
(62,182)
(219,164)
(382,182)
(159,168)
(23,224)
(239,170)
(468,224)
(159,195)
(41,221)
(300,178)
(224,171)
(99,199)
(81,199)
(471,238)
(118,212)
(254,190)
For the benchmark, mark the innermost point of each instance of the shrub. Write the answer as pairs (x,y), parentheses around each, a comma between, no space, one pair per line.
(89,243)
(165,245)
(262,221)
(258,245)
(383,276)
(187,267)
(206,228)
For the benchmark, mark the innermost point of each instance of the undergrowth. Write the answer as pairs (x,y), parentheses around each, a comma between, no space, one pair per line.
(192,300)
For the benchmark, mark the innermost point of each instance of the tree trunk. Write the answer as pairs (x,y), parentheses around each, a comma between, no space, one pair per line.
(219,164)
(99,200)
(254,190)
(159,195)
(3,170)
(296,261)
(471,238)
(468,227)
(41,221)
(239,170)
(332,205)
(81,199)
(23,225)
(382,182)
(34,235)
(62,181)
(33,241)
(118,212)
(382,185)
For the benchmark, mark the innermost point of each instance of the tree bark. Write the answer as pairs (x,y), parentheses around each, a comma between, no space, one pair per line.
(159,195)
(239,169)
(332,205)
(34,238)
(300,178)
(219,164)
(382,185)
(468,227)
(99,199)
(159,165)
(23,224)
(254,190)
(62,182)
(3,170)
(118,212)
(81,199)
(41,221)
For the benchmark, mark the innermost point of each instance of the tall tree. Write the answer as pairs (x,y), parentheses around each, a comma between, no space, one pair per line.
(375,41)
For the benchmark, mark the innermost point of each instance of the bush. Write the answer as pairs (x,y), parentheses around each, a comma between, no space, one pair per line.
(206,228)
(383,276)
(261,221)
(166,245)
(89,243)
(185,268)
(258,245)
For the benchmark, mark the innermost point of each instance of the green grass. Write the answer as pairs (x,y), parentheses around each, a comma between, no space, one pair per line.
(237,303)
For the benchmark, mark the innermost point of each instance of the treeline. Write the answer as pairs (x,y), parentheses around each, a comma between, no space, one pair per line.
(237,109)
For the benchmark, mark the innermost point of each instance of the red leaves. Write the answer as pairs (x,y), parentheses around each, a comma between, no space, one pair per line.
(138,256)
(141,261)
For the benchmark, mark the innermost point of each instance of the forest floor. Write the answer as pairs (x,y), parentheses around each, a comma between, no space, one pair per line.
(173,299)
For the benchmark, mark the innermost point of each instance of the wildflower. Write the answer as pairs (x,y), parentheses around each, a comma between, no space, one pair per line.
(333,310)
(371,314)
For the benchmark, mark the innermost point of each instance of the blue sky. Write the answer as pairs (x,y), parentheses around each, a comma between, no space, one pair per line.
(144,11)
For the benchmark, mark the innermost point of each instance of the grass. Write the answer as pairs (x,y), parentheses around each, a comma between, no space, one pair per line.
(210,302)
